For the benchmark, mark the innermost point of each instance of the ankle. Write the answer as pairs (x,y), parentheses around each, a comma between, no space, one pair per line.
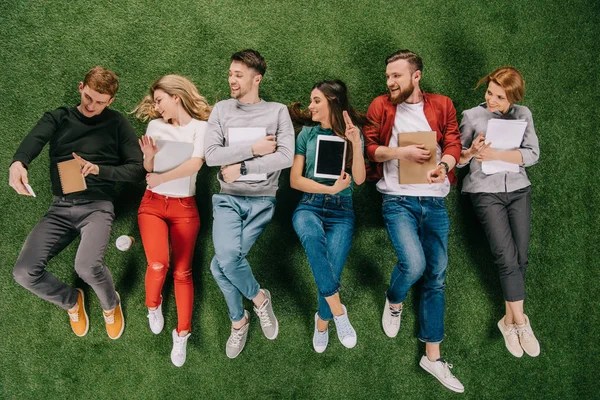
(183,333)
(397,306)
(259,299)
(239,324)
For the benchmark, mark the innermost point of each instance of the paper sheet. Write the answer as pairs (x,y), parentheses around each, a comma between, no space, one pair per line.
(504,134)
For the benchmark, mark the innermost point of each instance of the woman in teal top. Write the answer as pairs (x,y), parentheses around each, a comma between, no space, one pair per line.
(324,218)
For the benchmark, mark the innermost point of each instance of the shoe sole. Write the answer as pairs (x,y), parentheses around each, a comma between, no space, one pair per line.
(87,320)
(506,342)
(457,390)
(122,318)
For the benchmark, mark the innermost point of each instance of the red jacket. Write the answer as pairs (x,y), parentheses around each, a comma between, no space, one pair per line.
(440,114)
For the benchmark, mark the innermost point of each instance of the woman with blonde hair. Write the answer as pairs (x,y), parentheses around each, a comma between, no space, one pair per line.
(502,200)
(168,216)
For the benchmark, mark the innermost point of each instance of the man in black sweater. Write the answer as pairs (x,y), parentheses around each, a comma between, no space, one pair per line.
(106,146)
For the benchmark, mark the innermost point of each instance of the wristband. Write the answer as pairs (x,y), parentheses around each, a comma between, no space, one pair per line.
(446,166)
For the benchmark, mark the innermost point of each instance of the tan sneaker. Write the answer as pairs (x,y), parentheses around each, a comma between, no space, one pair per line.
(115,321)
(79,319)
(511,338)
(527,339)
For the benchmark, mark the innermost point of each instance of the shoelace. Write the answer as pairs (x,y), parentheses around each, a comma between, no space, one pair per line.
(178,345)
(343,326)
(153,315)
(74,316)
(447,368)
(236,337)
(395,320)
(110,318)
(524,334)
(263,314)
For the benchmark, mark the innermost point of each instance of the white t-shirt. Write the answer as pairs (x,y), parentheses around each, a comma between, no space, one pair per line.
(192,133)
(409,118)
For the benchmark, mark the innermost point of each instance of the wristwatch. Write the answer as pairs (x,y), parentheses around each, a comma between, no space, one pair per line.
(445,166)
(244,171)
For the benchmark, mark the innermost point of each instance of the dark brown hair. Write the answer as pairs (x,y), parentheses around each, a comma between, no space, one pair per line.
(102,80)
(251,59)
(336,93)
(412,58)
(509,79)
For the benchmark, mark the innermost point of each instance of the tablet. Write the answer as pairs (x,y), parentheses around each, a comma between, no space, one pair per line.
(330,157)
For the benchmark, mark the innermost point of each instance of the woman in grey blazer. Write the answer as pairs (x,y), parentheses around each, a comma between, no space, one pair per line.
(502,200)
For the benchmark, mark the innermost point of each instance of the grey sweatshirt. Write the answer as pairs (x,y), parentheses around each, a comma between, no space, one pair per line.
(233,114)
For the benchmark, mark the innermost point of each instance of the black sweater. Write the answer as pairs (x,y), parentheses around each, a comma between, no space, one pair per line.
(107,140)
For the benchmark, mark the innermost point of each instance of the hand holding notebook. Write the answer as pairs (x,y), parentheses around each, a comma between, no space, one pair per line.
(71,177)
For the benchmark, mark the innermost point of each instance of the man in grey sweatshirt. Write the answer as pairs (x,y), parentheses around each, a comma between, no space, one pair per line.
(249,178)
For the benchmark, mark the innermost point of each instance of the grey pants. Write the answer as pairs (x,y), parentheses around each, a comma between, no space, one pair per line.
(64,221)
(505,218)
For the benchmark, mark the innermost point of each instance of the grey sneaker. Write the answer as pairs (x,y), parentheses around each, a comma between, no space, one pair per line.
(511,339)
(441,370)
(528,341)
(268,321)
(391,319)
(156,319)
(320,339)
(237,339)
(345,331)
(179,346)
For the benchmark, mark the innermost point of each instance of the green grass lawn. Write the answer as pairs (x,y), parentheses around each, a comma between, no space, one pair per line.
(48,46)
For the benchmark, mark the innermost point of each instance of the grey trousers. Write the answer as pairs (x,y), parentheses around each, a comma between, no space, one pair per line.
(506,218)
(64,221)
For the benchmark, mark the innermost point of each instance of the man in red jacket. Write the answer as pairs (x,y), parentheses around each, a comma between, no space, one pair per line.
(415,214)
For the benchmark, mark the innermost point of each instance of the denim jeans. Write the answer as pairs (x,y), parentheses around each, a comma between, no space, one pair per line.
(238,222)
(418,228)
(325,224)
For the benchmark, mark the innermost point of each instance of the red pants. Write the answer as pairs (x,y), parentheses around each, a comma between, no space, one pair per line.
(160,217)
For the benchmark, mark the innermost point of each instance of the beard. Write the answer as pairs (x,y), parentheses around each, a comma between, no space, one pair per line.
(403,95)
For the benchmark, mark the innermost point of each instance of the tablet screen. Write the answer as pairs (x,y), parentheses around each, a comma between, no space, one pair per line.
(331,153)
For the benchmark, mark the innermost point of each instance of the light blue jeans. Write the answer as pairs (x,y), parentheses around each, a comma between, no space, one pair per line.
(325,224)
(418,228)
(238,222)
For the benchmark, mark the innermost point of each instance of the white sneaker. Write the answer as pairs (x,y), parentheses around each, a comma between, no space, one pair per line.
(237,339)
(156,319)
(179,345)
(391,319)
(345,331)
(441,370)
(528,341)
(320,339)
(511,338)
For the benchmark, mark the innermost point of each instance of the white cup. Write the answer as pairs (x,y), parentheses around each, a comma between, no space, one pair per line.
(124,242)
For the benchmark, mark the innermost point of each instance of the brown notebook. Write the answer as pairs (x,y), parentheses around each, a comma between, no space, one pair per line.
(71,179)
(411,172)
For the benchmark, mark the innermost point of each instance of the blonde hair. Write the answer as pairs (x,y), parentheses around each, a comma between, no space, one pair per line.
(509,79)
(174,85)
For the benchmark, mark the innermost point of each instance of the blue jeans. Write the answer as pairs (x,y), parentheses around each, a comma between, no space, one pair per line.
(325,224)
(238,222)
(418,228)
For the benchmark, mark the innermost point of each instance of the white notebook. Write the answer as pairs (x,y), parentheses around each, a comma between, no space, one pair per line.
(505,134)
(170,155)
(247,136)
